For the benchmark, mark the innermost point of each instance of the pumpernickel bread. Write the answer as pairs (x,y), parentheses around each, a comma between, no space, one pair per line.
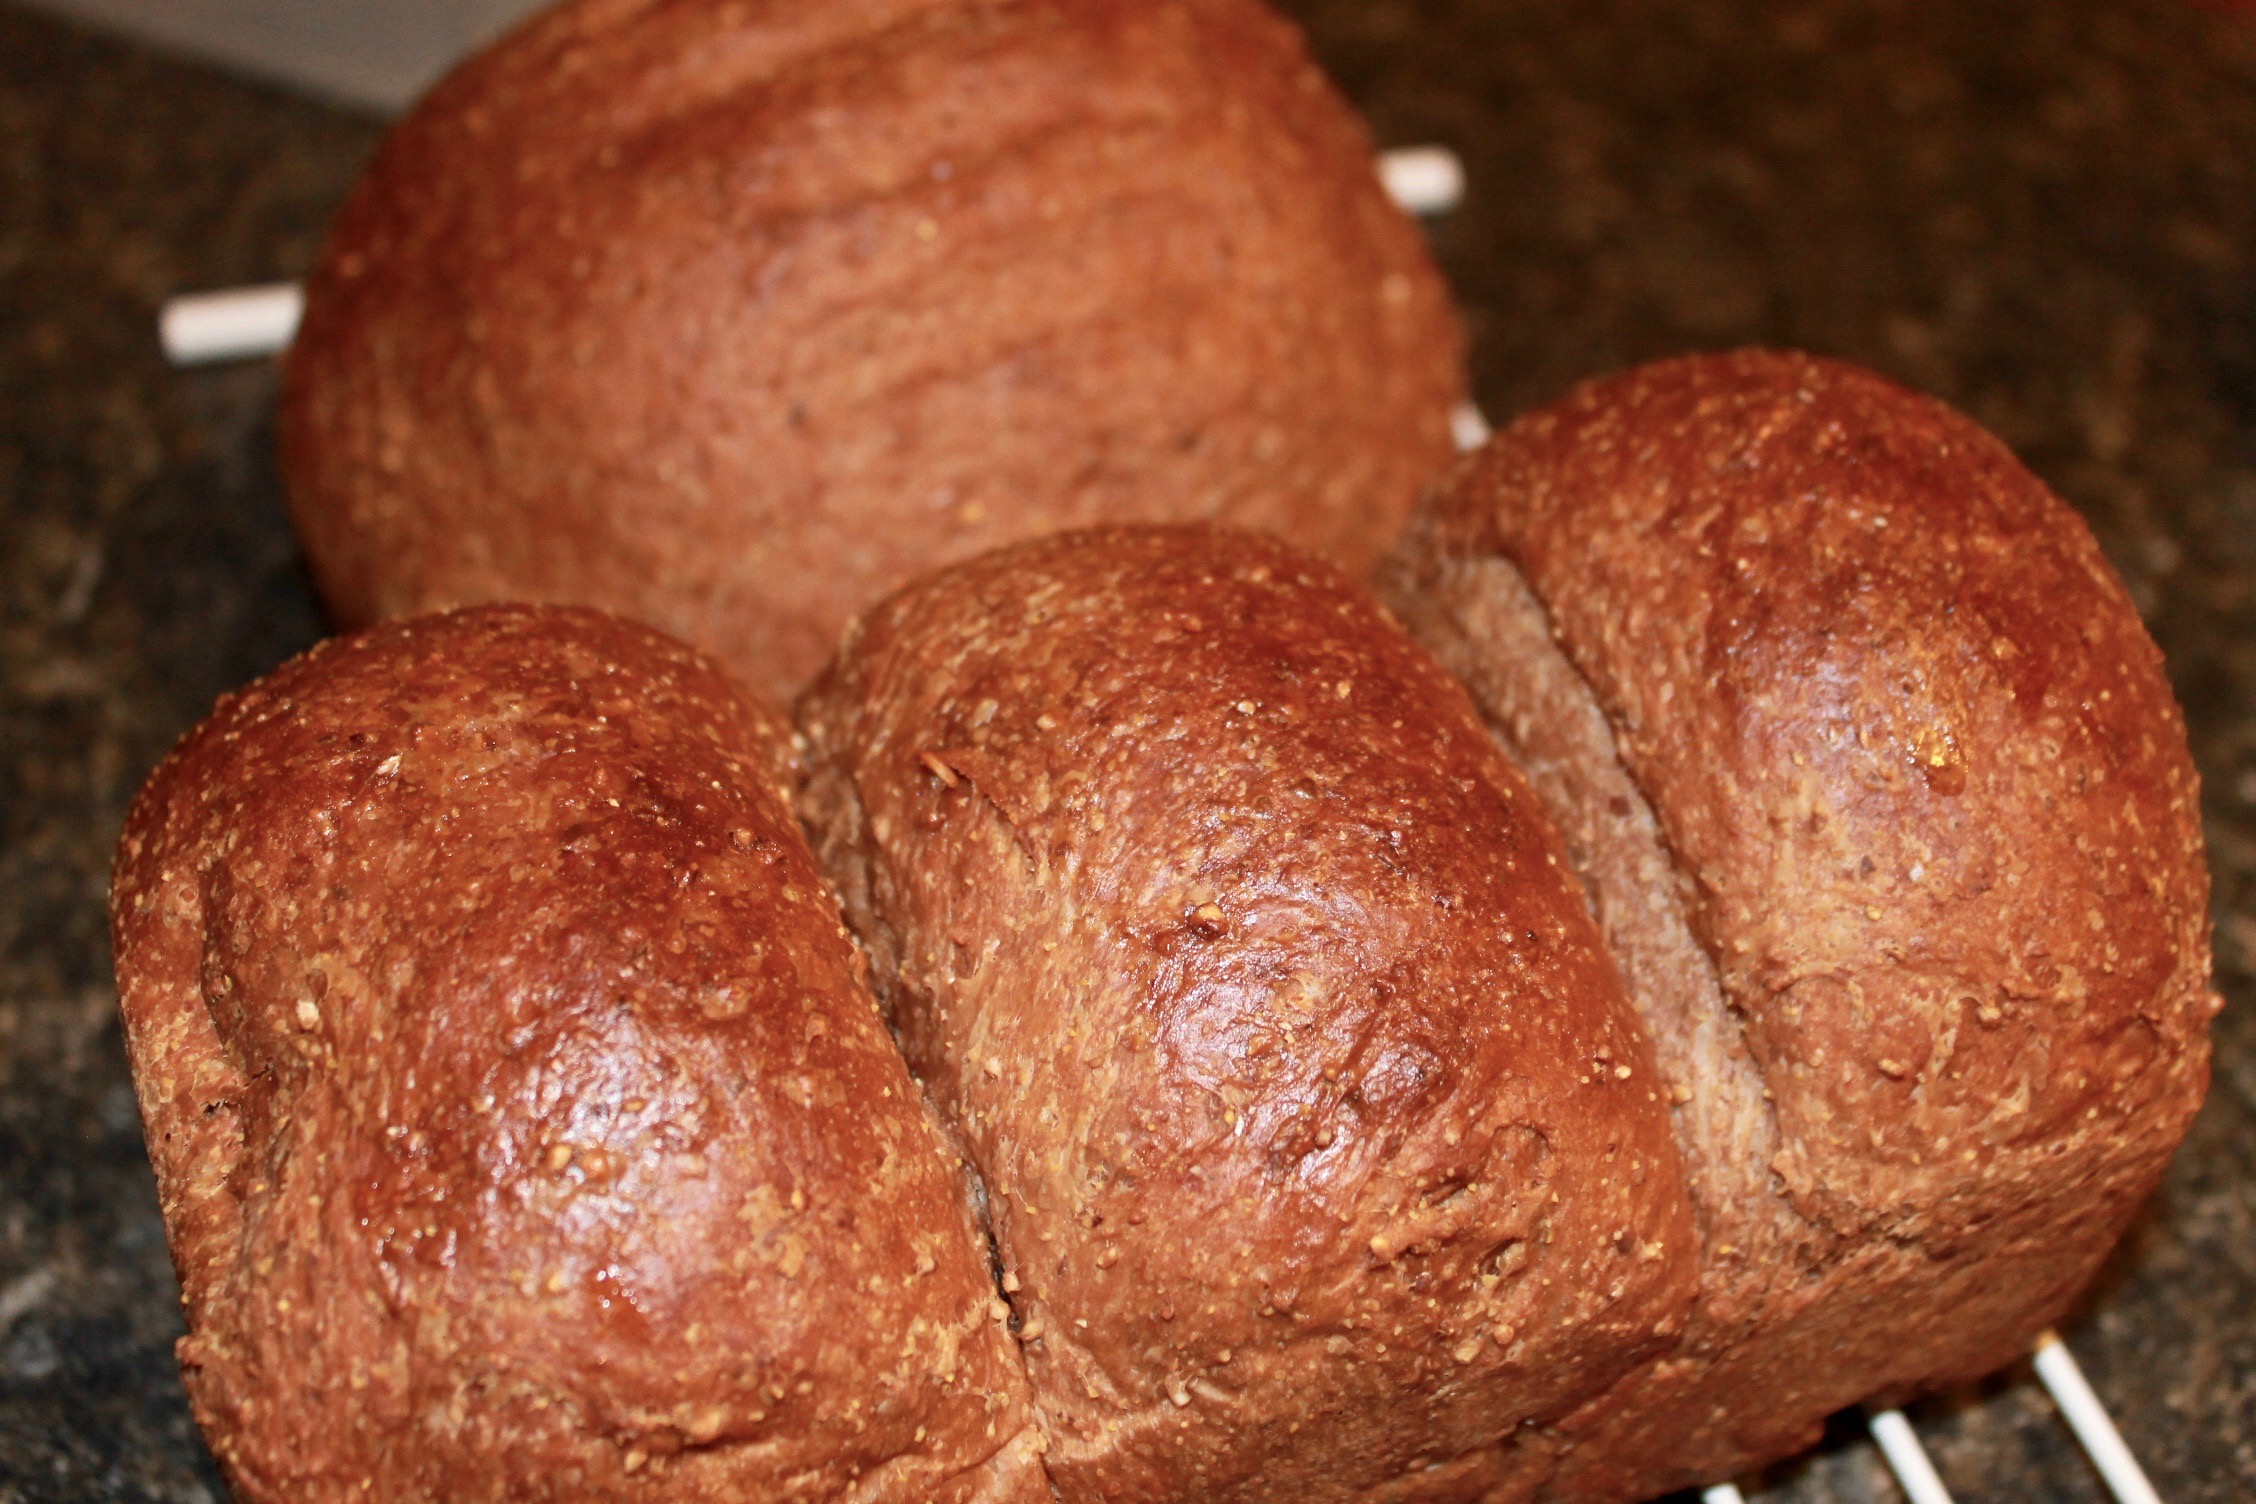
(524,1126)
(1325,1158)
(732,318)
(1884,805)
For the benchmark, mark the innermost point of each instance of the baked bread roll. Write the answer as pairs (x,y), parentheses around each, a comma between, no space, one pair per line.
(1325,1157)
(523,1123)
(1885,808)
(733,318)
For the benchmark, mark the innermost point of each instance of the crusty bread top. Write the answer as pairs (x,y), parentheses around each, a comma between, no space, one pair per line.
(523,1124)
(1885,808)
(1323,1149)
(1912,749)
(732,318)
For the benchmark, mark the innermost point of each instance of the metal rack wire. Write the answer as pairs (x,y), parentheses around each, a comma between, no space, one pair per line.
(2058,1370)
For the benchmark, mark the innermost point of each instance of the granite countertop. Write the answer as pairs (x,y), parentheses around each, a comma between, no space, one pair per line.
(2043,211)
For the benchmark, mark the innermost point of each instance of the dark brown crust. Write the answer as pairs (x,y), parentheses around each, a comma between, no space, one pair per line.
(734,324)
(1868,696)
(1325,1155)
(524,1127)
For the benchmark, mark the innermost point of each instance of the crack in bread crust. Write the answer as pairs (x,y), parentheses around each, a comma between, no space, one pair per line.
(1481,621)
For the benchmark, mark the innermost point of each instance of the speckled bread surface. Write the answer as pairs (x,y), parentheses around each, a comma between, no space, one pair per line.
(732,318)
(1884,804)
(1326,1159)
(524,1126)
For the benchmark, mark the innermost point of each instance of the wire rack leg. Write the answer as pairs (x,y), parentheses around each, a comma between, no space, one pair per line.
(1907,1458)
(2081,1408)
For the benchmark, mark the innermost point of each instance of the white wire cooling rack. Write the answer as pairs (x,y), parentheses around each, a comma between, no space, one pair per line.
(245,322)
(2079,1407)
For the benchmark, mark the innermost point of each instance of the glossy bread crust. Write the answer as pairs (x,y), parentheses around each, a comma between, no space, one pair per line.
(733,318)
(1885,804)
(1325,1157)
(524,1126)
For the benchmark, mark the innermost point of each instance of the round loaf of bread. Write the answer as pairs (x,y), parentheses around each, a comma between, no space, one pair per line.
(731,318)
(524,1126)
(1326,1159)
(1885,807)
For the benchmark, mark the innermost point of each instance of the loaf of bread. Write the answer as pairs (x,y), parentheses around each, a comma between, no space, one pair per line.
(1775,986)
(1325,1157)
(732,318)
(524,1125)
(1884,805)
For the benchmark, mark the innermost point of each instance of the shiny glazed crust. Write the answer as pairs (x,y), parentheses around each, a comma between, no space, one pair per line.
(1886,809)
(1326,1159)
(733,318)
(524,1126)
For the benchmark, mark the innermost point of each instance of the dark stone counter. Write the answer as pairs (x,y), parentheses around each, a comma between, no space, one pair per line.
(2041,210)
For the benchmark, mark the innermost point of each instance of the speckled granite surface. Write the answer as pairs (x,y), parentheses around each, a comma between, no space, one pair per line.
(2043,210)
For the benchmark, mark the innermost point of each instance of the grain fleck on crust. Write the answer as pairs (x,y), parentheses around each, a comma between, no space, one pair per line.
(524,1126)
(1326,1158)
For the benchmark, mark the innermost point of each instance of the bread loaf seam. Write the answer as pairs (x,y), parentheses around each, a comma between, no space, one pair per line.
(1472,628)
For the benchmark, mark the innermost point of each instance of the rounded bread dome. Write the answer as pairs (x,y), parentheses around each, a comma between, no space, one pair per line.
(731,318)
